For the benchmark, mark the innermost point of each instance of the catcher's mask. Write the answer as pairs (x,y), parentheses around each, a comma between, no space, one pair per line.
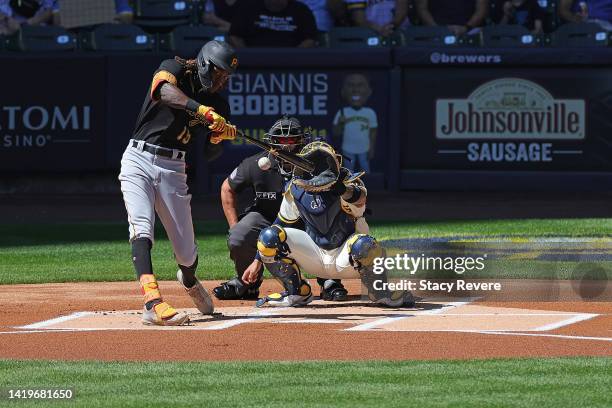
(216,61)
(287,134)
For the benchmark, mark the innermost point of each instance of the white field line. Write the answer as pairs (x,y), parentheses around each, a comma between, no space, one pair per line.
(386,320)
(35,331)
(377,322)
(579,317)
(557,336)
(44,325)
(230,323)
(57,320)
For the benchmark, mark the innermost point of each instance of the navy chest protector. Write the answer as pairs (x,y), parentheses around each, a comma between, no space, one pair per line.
(324,220)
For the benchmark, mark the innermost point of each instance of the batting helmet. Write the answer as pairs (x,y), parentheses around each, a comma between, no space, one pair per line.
(215,54)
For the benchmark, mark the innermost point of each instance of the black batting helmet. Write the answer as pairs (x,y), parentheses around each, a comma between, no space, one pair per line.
(218,54)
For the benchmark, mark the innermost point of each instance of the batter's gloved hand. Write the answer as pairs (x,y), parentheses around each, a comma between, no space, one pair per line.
(216,122)
(229,133)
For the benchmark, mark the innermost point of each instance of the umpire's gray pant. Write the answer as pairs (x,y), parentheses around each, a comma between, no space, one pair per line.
(242,240)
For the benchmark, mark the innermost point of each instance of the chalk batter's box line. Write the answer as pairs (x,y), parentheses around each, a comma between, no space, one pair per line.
(44,326)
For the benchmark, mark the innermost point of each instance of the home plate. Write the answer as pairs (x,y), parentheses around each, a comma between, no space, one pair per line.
(428,315)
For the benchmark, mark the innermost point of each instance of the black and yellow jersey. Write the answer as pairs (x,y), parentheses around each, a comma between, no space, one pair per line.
(164,126)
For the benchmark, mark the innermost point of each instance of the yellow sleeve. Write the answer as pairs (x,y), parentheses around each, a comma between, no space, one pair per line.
(159,79)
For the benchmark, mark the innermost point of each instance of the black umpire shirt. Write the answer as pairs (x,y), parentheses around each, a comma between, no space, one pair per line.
(164,126)
(267,185)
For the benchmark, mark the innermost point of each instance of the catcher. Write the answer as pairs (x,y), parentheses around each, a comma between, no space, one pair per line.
(268,185)
(335,241)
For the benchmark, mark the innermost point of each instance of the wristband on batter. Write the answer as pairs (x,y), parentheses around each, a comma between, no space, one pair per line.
(192,106)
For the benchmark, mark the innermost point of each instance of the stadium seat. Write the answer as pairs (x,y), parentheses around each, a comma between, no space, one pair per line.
(163,15)
(580,35)
(508,36)
(354,37)
(396,39)
(428,36)
(41,39)
(117,37)
(187,40)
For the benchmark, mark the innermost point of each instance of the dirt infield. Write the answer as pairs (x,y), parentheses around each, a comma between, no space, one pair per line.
(101,321)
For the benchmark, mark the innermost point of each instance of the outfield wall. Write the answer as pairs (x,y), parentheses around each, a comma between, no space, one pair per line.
(461,118)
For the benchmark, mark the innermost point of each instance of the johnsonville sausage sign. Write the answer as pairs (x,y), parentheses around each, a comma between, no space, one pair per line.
(483,119)
(510,108)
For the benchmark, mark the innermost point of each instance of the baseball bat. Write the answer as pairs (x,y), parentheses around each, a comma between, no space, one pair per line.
(297,161)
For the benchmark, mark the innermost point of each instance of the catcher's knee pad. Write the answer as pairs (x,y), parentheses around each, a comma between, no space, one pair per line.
(363,249)
(272,244)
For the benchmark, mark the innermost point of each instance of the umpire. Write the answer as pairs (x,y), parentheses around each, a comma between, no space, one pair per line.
(266,177)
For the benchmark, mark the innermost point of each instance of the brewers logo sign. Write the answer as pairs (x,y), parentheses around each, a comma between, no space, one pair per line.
(510,109)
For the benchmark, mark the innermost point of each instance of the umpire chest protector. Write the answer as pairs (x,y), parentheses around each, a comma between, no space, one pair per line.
(325,221)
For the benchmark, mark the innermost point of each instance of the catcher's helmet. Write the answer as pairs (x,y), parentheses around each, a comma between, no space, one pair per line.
(217,54)
(287,134)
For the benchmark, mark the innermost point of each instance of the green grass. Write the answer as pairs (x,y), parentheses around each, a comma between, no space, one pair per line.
(100,252)
(558,382)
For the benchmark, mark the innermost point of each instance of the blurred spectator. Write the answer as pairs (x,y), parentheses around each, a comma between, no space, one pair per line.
(14,14)
(323,17)
(460,16)
(339,12)
(596,11)
(383,16)
(220,13)
(273,23)
(522,12)
(124,13)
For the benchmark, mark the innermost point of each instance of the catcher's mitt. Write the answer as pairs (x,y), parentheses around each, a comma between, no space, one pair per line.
(327,168)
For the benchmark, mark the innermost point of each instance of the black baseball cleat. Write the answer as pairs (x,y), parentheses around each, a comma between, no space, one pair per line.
(236,290)
(332,290)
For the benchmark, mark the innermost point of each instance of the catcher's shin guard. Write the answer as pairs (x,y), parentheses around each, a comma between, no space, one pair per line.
(363,250)
(297,291)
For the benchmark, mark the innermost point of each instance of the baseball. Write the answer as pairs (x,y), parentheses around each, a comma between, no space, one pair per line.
(264,163)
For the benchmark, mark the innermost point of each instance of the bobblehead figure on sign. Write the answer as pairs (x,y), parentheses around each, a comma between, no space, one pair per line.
(356,123)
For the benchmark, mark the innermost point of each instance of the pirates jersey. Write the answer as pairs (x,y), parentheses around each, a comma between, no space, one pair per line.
(161,125)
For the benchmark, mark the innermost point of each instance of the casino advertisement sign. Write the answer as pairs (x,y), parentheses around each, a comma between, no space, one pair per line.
(258,98)
(57,127)
(509,123)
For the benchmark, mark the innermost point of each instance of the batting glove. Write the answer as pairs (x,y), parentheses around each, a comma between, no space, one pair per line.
(216,122)
(229,133)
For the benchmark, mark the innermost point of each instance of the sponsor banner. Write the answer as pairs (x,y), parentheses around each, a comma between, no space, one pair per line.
(316,97)
(520,119)
(47,122)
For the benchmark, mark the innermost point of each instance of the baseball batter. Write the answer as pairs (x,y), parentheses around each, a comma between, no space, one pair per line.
(335,242)
(182,103)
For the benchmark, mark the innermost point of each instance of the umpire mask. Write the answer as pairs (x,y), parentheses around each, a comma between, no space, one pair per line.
(216,61)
